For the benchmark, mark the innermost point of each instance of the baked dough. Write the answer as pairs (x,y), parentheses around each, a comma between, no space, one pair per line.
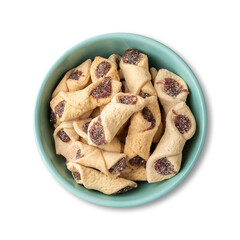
(134,66)
(64,135)
(81,127)
(75,79)
(138,174)
(109,163)
(102,67)
(116,59)
(170,88)
(93,179)
(143,126)
(153,72)
(105,127)
(165,161)
(71,105)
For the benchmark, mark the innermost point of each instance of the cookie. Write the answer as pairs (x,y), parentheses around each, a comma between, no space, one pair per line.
(165,162)
(171,89)
(75,79)
(134,66)
(71,105)
(105,127)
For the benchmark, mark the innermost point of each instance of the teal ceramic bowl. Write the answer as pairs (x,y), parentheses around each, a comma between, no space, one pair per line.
(159,56)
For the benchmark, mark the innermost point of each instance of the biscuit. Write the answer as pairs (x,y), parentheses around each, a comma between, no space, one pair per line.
(101,68)
(170,88)
(75,79)
(93,179)
(81,128)
(165,162)
(71,105)
(105,127)
(109,163)
(134,66)
(64,135)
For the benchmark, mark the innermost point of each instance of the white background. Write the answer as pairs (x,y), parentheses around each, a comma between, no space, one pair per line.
(34,34)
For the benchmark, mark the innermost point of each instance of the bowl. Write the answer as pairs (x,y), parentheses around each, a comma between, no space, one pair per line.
(159,56)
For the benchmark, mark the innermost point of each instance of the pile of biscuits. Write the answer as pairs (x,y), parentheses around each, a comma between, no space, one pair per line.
(116,122)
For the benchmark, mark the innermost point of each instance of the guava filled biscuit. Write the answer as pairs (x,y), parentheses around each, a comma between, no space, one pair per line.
(93,179)
(64,135)
(101,68)
(134,66)
(165,162)
(81,128)
(142,128)
(76,171)
(138,174)
(171,89)
(103,129)
(71,105)
(75,79)
(109,163)
(116,59)
(153,72)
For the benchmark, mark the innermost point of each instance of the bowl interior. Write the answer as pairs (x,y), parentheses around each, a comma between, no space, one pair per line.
(159,57)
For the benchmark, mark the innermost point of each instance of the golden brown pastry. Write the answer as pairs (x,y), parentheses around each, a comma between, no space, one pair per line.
(153,72)
(138,174)
(81,128)
(101,68)
(109,163)
(116,59)
(103,129)
(93,179)
(64,135)
(134,66)
(171,89)
(75,79)
(71,105)
(165,161)
(142,129)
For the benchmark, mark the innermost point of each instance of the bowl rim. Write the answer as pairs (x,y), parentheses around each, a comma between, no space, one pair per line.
(105,202)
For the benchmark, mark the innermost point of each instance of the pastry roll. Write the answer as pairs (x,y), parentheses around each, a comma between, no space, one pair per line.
(153,72)
(134,66)
(76,171)
(142,129)
(166,160)
(93,179)
(171,89)
(134,162)
(75,79)
(143,126)
(116,59)
(81,127)
(71,105)
(103,129)
(101,68)
(138,174)
(64,135)
(109,163)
